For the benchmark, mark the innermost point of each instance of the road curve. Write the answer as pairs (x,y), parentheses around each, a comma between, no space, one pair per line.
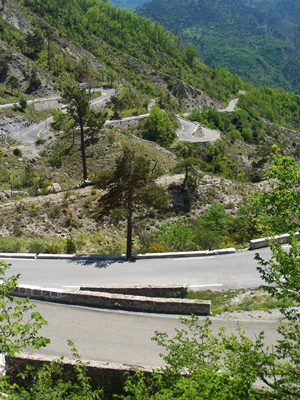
(231,271)
(31,133)
(124,337)
(231,106)
(188,130)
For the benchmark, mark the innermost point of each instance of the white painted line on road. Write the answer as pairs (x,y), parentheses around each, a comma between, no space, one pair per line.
(192,258)
(207,285)
(16,259)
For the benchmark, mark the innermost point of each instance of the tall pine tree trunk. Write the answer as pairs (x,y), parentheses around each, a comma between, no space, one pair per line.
(129,235)
(83,156)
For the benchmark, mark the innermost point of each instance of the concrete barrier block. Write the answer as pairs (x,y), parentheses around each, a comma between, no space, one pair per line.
(30,256)
(81,256)
(230,250)
(264,242)
(180,254)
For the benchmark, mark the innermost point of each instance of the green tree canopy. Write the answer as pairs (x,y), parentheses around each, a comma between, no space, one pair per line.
(160,127)
(277,210)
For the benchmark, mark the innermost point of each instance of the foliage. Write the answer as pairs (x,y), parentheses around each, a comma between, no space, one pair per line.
(201,366)
(127,100)
(210,231)
(51,382)
(224,33)
(19,323)
(277,210)
(178,236)
(282,272)
(159,127)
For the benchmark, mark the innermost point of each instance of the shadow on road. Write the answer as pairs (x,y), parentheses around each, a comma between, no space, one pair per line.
(92,261)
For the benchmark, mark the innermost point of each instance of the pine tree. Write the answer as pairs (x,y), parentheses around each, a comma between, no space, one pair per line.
(129,185)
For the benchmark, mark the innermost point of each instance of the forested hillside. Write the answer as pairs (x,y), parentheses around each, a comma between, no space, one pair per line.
(48,48)
(130,4)
(257,39)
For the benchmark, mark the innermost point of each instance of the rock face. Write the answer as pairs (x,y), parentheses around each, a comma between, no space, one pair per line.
(7,194)
(10,125)
(22,68)
(5,138)
(190,97)
(54,188)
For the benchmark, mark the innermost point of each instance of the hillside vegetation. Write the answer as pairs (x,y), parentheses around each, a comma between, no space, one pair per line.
(130,4)
(257,39)
(48,46)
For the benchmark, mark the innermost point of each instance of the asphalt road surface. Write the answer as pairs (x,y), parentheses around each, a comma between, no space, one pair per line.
(212,272)
(187,130)
(231,106)
(124,337)
(32,133)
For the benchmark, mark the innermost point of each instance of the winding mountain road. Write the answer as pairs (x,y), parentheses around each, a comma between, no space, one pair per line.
(231,106)
(32,133)
(188,131)
(124,337)
(195,133)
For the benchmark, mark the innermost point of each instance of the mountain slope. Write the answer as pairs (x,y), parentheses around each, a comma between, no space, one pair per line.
(130,4)
(257,39)
(58,42)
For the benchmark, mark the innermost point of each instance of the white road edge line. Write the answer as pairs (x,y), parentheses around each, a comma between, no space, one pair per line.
(17,259)
(191,258)
(207,285)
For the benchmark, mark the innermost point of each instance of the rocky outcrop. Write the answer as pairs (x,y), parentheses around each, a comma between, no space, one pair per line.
(23,68)
(9,126)
(7,194)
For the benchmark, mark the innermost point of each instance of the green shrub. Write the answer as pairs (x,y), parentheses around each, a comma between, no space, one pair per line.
(70,246)
(9,246)
(36,246)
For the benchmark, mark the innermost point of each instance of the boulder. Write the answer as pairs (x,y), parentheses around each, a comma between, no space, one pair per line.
(54,188)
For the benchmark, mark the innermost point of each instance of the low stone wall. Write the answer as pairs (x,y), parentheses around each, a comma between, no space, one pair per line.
(166,291)
(53,104)
(265,242)
(116,301)
(110,377)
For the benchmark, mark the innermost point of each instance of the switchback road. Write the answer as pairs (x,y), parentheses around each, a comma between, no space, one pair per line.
(223,272)
(193,132)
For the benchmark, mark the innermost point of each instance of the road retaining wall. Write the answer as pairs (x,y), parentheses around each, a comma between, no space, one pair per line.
(116,301)
(166,291)
(110,377)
